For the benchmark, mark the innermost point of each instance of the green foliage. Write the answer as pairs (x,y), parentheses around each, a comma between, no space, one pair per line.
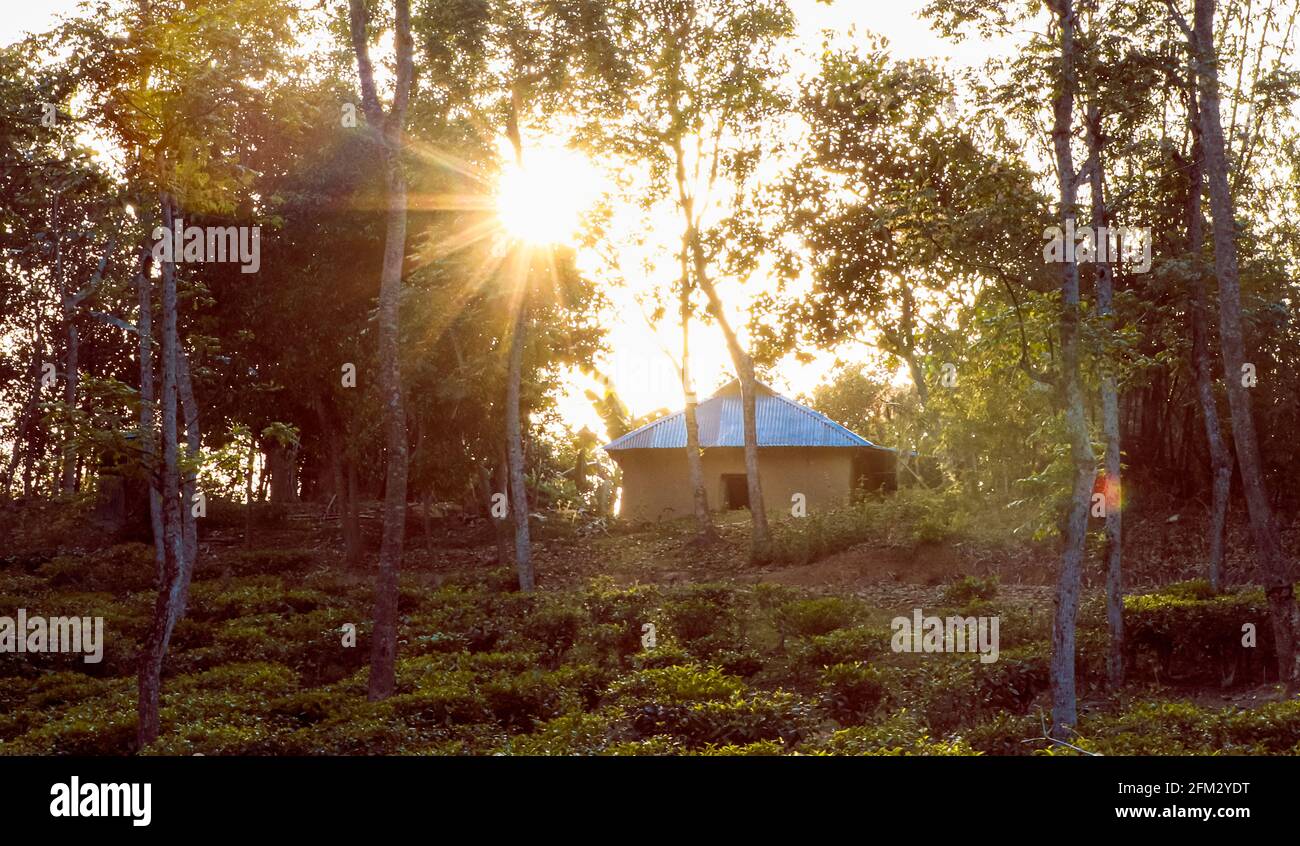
(678,684)
(807,657)
(852,691)
(1187,631)
(257,667)
(1182,728)
(739,720)
(901,734)
(968,589)
(812,617)
(117,569)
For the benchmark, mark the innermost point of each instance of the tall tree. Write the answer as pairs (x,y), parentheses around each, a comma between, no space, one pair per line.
(1064,699)
(170,92)
(687,90)
(706,533)
(1278,576)
(1102,226)
(387,130)
(1202,364)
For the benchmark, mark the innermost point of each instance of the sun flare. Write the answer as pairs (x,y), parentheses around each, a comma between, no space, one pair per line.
(543,201)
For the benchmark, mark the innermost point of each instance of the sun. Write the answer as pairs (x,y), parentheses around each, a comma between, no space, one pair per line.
(543,202)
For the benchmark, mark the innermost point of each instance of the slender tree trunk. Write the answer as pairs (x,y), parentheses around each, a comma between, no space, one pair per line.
(384,653)
(1220,455)
(761,538)
(514,422)
(388,132)
(29,459)
(166,610)
(248,491)
(1277,570)
(694,457)
(1105,290)
(189,480)
(148,440)
(1064,704)
(70,399)
(29,410)
(427,502)
(515,453)
(67,483)
(352,517)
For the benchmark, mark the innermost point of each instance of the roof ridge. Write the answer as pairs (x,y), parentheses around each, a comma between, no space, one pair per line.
(836,431)
(820,418)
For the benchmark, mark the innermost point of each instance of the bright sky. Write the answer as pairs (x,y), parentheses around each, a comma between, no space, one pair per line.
(642,363)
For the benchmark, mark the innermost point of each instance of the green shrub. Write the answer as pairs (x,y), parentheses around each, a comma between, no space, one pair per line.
(520,702)
(118,569)
(569,734)
(676,684)
(761,716)
(76,717)
(1005,734)
(811,617)
(1197,639)
(902,734)
(761,748)
(808,656)
(1182,728)
(1193,589)
(663,655)
(456,701)
(969,589)
(851,692)
(703,611)
(555,626)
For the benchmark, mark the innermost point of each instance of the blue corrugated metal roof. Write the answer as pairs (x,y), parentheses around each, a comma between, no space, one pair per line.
(781,422)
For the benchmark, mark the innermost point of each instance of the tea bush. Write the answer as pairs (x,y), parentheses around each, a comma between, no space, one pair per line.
(970,588)
(851,692)
(811,617)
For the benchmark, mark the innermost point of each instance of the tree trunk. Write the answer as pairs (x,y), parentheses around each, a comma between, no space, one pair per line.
(514,423)
(70,399)
(1277,575)
(515,453)
(694,457)
(384,652)
(1064,704)
(427,502)
(67,482)
(148,449)
(248,491)
(1105,290)
(28,414)
(282,460)
(352,518)
(761,538)
(388,132)
(190,479)
(1220,456)
(166,609)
